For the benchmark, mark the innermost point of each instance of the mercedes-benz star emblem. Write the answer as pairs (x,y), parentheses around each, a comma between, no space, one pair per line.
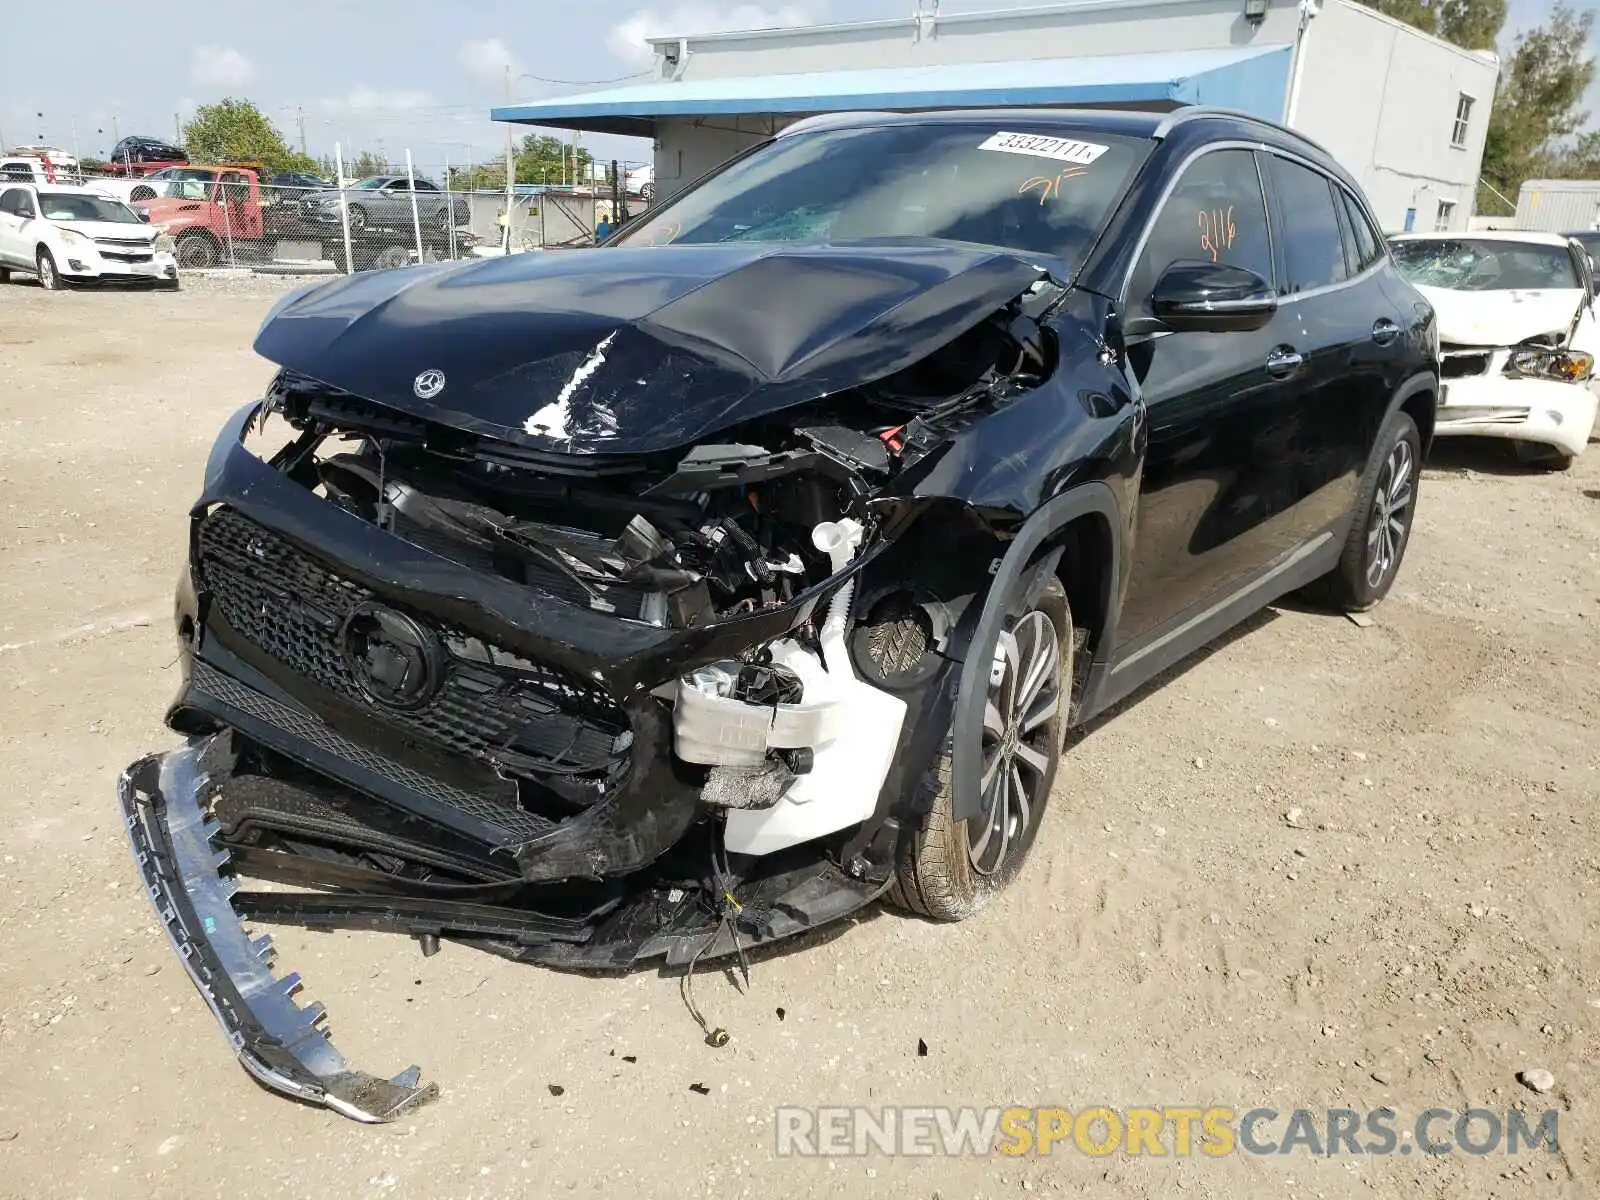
(429,384)
(393,659)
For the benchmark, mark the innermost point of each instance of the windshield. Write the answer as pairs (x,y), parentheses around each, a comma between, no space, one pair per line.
(74,206)
(1485,264)
(1046,193)
(186,189)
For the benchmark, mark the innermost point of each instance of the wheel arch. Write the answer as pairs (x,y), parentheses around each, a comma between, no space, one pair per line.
(1074,538)
(1418,398)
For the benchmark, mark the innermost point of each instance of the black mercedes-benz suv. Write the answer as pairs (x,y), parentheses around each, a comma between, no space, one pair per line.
(676,596)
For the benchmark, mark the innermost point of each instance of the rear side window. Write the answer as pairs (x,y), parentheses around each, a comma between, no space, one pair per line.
(1216,213)
(1313,249)
(422,185)
(1368,247)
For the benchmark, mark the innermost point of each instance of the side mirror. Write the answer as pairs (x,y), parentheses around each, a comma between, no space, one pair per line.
(144,215)
(1212,297)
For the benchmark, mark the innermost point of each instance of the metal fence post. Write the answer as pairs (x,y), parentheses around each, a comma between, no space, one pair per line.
(344,208)
(450,205)
(227,223)
(511,179)
(416,221)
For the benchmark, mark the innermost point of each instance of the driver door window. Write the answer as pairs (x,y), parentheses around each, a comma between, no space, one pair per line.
(1216,213)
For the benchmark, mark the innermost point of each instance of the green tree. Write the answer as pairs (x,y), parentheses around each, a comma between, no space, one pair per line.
(1583,160)
(1472,24)
(237,131)
(545,159)
(1538,106)
(367,163)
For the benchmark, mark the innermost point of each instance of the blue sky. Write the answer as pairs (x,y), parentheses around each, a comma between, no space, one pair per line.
(373,74)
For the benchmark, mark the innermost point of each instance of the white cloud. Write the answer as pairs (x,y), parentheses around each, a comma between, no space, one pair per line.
(363,100)
(486,61)
(220,67)
(627,39)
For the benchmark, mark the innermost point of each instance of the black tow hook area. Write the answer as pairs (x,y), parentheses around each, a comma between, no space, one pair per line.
(279,1042)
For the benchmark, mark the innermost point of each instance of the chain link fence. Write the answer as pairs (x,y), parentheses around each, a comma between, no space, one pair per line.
(235,216)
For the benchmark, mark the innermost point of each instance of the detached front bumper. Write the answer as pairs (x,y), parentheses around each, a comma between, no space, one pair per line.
(1545,412)
(279,1042)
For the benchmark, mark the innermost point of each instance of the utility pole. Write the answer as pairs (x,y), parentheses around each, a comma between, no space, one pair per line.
(511,171)
(116,134)
(177,131)
(300,119)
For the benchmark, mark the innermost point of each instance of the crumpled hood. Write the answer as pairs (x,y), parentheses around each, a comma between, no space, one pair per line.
(624,350)
(1502,318)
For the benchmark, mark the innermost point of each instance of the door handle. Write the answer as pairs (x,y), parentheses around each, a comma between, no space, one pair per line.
(1285,360)
(1384,331)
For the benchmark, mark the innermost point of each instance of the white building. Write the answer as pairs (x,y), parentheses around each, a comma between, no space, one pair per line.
(1405,112)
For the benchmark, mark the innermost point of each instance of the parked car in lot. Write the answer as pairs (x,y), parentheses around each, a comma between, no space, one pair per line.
(136,150)
(75,234)
(1518,334)
(37,168)
(385,201)
(156,183)
(697,590)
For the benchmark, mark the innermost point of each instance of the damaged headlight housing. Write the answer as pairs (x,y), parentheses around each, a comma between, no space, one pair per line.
(1544,362)
(163,244)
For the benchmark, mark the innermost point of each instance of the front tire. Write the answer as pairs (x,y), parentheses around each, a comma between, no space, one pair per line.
(950,869)
(1381,529)
(198,251)
(357,217)
(49,275)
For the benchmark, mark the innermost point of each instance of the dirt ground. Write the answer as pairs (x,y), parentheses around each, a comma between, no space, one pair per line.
(1320,866)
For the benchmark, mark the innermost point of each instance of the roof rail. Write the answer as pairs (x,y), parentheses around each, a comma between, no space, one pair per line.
(1195,112)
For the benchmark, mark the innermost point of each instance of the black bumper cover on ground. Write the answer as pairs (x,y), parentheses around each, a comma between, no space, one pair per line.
(277,1041)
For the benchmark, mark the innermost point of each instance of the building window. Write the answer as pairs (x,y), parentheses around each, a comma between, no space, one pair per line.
(1447,210)
(1458,135)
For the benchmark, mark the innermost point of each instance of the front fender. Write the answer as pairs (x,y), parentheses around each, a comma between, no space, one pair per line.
(1090,499)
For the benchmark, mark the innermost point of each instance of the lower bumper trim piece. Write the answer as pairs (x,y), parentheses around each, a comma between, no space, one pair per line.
(279,1042)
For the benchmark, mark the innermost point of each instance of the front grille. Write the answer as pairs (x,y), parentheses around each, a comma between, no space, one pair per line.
(300,725)
(493,705)
(1462,364)
(124,243)
(114,256)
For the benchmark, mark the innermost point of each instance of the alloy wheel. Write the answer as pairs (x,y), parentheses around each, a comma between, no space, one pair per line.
(1024,692)
(48,279)
(1391,513)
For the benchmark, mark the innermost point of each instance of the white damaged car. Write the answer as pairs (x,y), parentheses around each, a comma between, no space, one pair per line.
(75,234)
(1518,336)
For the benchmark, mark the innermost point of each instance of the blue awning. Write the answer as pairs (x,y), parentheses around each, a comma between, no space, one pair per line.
(1253,79)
